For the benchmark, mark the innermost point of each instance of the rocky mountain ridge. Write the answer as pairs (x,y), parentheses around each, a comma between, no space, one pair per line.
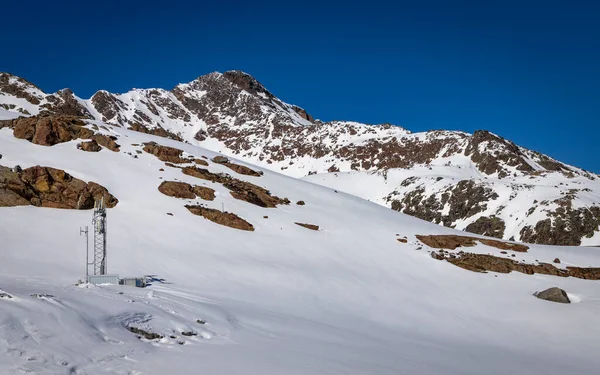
(481,183)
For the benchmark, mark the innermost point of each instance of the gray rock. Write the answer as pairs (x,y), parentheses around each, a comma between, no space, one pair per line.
(554,295)
(220,159)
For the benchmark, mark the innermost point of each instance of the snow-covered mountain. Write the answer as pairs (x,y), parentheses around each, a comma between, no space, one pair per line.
(480,182)
(255,272)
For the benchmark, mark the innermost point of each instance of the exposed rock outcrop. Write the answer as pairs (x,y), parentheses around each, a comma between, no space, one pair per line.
(223,218)
(203,192)
(179,189)
(487,226)
(89,146)
(566,225)
(451,242)
(49,130)
(107,141)
(239,189)
(50,187)
(486,262)
(165,153)
(308,226)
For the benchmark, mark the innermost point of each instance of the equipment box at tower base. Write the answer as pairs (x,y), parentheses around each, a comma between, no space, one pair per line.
(103,279)
(139,282)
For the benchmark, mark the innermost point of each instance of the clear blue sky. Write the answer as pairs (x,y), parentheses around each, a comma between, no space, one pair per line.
(527,70)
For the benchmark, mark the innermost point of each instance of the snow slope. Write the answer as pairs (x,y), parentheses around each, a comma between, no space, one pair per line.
(347,299)
(232,113)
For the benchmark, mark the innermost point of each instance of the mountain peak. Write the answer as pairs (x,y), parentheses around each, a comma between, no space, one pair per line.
(246,82)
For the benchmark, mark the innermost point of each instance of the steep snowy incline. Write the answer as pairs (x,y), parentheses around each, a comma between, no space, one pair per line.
(498,188)
(347,298)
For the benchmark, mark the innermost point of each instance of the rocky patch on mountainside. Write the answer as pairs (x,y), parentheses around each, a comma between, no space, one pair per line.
(465,199)
(165,153)
(184,190)
(565,225)
(486,262)
(451,242)
(18,87)
(107,141)
(239,189)
(49,187)
(490,226)
(160,132)
(48,130)
(64,102)
(241,169)
(223,218)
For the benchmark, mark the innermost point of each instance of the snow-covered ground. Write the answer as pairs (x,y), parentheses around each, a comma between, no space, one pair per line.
(347,299)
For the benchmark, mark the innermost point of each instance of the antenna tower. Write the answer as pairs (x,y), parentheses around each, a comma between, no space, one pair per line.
(99,224)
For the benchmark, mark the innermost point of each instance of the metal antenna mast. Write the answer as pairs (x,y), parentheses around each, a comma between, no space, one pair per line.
(87,252)
(99,223)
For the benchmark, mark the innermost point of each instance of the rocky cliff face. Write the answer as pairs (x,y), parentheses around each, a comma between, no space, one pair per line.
(478,182)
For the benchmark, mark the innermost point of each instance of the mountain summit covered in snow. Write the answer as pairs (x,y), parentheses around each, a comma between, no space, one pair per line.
(480,182)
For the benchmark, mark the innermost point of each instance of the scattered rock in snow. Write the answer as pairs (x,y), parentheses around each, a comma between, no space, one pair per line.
(403,240)
(145,334)
(220,159)
(189,333)
(556,260)
(308,226)
(223,218)
(5,295)
(200,321)
(42,296)
(553,295)
(300,203)
(201,162)
(89,146)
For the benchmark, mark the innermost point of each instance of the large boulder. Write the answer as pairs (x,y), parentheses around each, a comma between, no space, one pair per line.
(554,295)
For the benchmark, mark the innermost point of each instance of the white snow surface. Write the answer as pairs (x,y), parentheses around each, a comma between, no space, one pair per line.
(347,299)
